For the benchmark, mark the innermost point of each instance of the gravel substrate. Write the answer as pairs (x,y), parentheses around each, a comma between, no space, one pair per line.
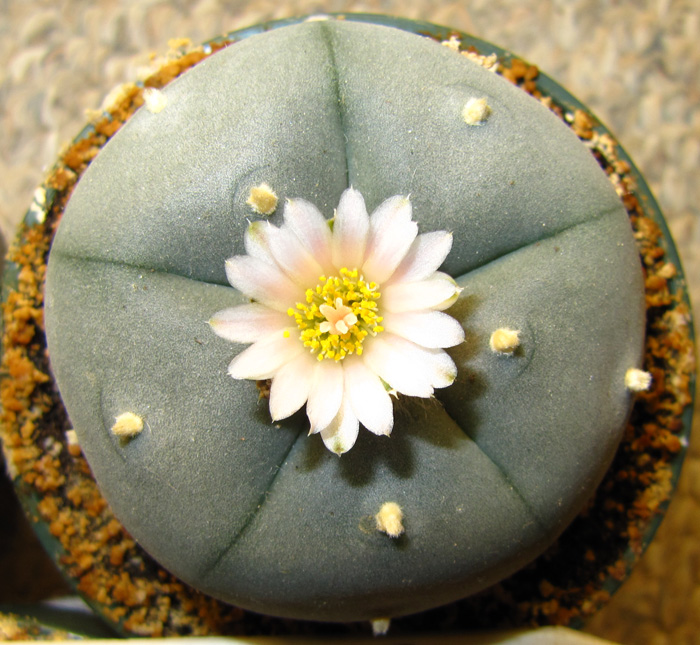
(635,64)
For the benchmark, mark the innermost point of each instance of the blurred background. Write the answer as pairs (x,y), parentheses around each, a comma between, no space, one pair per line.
(635,63)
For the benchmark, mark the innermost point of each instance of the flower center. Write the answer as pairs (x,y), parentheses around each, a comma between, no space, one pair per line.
(339,313)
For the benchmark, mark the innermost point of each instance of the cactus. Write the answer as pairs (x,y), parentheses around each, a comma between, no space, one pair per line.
(480,478)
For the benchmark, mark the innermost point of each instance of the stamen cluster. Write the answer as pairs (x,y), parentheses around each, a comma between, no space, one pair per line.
(339,313)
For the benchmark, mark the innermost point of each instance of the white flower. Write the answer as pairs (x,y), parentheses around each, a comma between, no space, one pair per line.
(343,314)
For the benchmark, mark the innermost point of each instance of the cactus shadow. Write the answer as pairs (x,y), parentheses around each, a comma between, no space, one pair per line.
(376,454)
(370,456)
(470,383)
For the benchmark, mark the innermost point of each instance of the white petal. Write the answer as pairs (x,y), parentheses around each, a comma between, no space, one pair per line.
(248,323)
(262,359)
(436,366)
(446,304)
(426,254)
(391,233)
(386,252)
(426,328)
(262,282)
(369,399)
(395,368)
(350,229)
(291,386)
(326,394)
(257,240)
(340,435)
(291,255)
(432,293)
(391,211)
(312,229)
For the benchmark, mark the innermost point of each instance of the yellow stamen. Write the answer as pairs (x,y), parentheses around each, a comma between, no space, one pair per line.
(339,313)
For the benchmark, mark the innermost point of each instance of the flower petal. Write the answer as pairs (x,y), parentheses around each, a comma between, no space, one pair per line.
(424,257)
(326,394)
(340,435)
(312,229)
(391,211)
(291,386)
(262,282)
(248,323)
(350,229)
(369,399)
(438,290)
(257,240)
(293,258)
(262,359)
(436,366)
(426,328)
(391,233)
(395,368)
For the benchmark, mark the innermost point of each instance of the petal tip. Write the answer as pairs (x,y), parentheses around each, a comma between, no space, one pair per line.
(233,373)
(337,446)
(385,430)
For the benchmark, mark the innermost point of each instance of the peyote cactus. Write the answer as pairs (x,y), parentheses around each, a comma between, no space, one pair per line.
(473,483)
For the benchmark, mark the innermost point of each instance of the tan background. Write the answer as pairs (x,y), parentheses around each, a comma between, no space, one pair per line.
(636,64)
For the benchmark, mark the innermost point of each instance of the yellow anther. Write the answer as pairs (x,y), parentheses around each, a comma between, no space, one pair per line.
(339,313)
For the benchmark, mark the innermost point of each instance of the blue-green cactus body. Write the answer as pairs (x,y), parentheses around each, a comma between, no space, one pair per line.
(487,475)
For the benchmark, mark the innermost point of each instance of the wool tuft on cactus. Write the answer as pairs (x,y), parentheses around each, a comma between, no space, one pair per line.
(497,212)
